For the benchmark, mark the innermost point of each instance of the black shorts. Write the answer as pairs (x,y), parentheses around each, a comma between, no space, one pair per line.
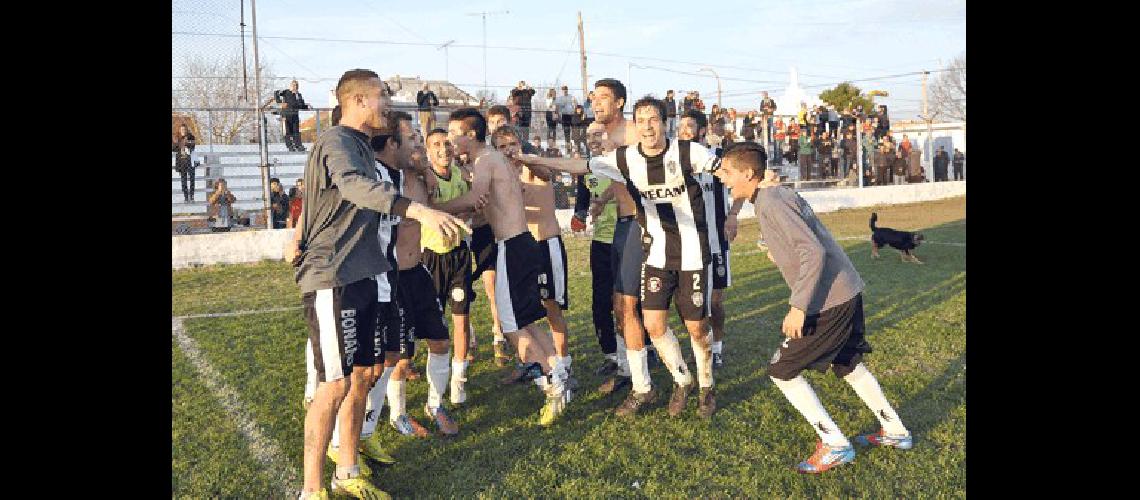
(423,313)
(516,282)
(831,338)
(484,250)
(451,275)
(342,329)
(627,257)
(721,271)
(658,287)
(392,332)
(552,281)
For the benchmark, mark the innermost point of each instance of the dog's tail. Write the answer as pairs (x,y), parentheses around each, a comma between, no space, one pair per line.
(874,217)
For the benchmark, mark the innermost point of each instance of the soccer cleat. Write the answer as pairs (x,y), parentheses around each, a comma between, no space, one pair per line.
(609,367)
(634,401)
(443,420)
(881,438)
(761,245)
(706,402)
(613,383)
(358,487)
(717,361)
(523,373)
(501,356)
(321,494)
(824,458)
(458,391)
(679,398)
(408,426)
(555,405)
(370,448)
(365,470)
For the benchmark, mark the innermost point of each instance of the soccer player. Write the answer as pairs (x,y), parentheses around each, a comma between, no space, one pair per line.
(336,268)
(517,255)
(671,212)
(538,197)
(824,326)
(450,262)
(692,127)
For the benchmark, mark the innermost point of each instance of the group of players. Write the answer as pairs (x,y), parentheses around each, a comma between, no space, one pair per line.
(382,245)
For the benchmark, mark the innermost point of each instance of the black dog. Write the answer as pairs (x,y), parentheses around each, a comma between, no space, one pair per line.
(904,241)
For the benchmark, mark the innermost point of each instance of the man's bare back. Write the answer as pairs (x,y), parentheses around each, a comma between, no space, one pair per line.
(493,174)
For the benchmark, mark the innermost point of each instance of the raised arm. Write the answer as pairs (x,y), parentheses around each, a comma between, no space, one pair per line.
(573,166)
(474,198)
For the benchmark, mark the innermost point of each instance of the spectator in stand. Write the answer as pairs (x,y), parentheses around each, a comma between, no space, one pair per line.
(551,150)
(870,143)
(296,197)
(905,148)
(748,127)
(794,131)
(589,107)
(806,156)
(688,102)
(731,125)
(802,117)
(698,104)
(291,103)
(847,121)
(941,161)
(552,116)
(833,122)
(183,148)
(521,97)
(278,203)
(566,104)
(426,101)
(823,147)
(821,119)
(899,167)
(849,146)
(767,111)
(959,164)
(886,161)
(221,209)
(671,115)
(779,135)
(578,135)
(884,126)
(914,171)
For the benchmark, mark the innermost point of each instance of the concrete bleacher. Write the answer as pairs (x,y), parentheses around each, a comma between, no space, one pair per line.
(239,165)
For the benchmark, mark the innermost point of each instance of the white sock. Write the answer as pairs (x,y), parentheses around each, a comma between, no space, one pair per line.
(867,387)
(438,370)
(803,398)
(396,399)
(703,355)
(619,356)
(639,369)
(499,336)
(670,351)
(335,443)
(459,370)
(718,347)
(375,403)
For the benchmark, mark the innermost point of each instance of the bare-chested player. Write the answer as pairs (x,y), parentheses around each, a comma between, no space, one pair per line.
(538,198)
(517,264)
(419,305)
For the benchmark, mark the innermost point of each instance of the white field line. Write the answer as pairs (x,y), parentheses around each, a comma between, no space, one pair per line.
(263,448)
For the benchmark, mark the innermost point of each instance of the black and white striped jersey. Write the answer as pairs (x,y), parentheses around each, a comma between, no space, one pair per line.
(669,198)
(716,211)
(387,232)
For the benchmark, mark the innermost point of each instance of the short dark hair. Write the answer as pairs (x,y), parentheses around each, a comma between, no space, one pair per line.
(274,179)
(350,82)
(747,155)
(473,120)
(499,110)
(615,86)
(336,115)
(502,131)
(436,131)
(650,102)
(390,130)
(700,118)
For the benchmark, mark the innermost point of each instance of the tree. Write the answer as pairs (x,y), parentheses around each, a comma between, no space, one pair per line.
(845,95)
(948,93)
(219,84)
(491,97)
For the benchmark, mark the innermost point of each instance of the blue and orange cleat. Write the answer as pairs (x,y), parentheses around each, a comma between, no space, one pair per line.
(824,458)
(881,438)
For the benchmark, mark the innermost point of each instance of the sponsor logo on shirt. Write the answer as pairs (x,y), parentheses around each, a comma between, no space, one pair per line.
(666,193)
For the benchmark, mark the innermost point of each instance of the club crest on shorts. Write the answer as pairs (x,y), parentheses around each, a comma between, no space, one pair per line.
(457,294)
(698,299)
(544,292)
(720,271)
(775,357)
(654,284)
(542,279)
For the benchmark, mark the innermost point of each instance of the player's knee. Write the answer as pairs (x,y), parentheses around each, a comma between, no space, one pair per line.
(438,346)
(338,388)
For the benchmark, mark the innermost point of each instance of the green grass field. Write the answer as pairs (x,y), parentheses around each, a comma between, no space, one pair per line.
(915,321)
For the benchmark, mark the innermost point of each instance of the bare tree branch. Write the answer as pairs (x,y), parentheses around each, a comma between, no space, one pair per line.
(948,93)
(218,84)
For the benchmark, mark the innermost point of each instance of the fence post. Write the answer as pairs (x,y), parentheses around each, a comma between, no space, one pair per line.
(859,148)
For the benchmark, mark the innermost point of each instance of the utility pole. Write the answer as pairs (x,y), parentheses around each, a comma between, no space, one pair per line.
(445,58)
(261,136)
(718,91)
(484,15)
(929,130)
(582,53)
